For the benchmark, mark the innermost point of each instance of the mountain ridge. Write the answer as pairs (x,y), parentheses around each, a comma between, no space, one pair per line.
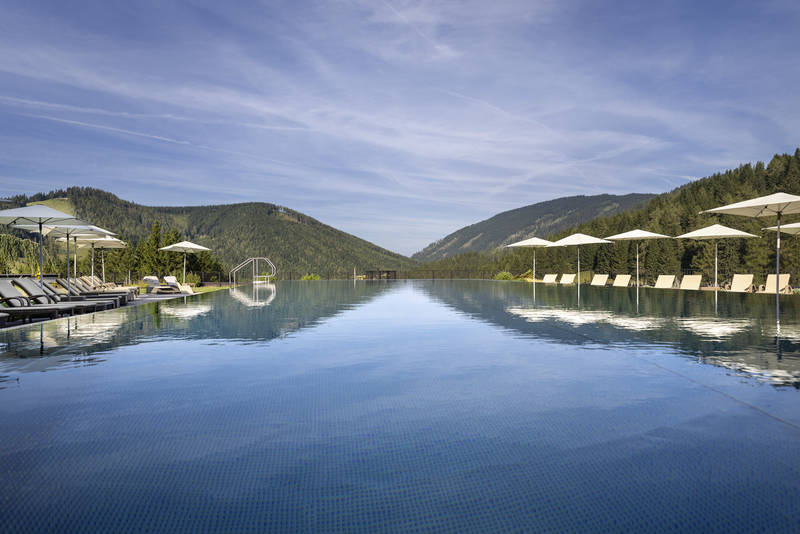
(293,240)
(671,213)
(543,219)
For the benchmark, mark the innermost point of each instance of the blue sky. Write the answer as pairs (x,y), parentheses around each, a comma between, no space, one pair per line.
(397,121)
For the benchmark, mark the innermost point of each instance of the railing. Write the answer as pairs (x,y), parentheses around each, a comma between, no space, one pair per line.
(257,277)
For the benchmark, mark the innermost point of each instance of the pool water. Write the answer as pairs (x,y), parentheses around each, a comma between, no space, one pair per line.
(408,406)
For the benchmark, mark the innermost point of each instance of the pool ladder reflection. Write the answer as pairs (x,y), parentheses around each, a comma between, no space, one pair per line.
(257,296)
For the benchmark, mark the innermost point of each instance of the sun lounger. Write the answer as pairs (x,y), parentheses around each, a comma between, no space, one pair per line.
(783,285)
(665,281)
(183,288)
(567,279)
(88,289)
(79,292)
(622,280)
(98,284)
(16,309)
(599,280)
(154,286)
(19,306)
(691,282)
(43,296)
(741,283)
(550,279)
(81,289)
(61,296)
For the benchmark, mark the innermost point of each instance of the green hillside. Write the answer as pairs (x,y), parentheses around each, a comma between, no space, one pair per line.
(536,219)
(234,232)
(671,213)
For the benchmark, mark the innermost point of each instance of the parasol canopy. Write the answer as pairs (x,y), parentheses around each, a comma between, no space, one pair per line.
(637,235)
(187,247)
(534,243)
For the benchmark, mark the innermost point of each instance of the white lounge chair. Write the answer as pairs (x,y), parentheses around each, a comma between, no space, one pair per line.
(183,288)
(550,279)
(154,286)
(741,283)
(665,281)
(691,282)
(622,280)
(783,285)
(599,280)
(567,279)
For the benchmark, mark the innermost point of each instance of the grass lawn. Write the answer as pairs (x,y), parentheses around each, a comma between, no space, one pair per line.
(201,289)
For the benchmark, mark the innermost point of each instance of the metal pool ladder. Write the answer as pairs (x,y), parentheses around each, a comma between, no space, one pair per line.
(257,278)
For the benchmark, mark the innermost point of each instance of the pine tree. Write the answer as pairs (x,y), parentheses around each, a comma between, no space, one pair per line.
(172,262)
(149,255)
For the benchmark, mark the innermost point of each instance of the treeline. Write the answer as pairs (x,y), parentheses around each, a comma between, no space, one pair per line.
(234,232)
(672,213)
(21,256)
(146,259)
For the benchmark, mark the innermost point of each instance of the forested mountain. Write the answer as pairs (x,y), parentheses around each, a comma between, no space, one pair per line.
(234,232)
(672,213)
(536,219)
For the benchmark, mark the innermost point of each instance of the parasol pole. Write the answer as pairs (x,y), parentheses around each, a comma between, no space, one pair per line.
(716,247)
(69,282)
(579,274)
(777,276)
(41,259)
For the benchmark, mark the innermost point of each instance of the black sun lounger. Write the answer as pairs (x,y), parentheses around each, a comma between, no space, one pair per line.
(39,296)
(63,297)
(18,306)
(88,289)
(122,298)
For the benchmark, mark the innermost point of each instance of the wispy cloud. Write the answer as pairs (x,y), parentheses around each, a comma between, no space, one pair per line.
(357,111)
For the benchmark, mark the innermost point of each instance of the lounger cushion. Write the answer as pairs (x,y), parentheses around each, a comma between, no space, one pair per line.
(691,282)
(665,281)
(622,280)
(741,283)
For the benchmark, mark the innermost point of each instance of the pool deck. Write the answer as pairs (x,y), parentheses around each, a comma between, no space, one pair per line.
(138,301)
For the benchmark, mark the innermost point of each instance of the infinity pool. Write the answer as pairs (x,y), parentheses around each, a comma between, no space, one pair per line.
(427,406)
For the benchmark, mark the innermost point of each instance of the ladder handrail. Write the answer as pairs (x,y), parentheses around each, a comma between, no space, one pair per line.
(245,262)
(232,273)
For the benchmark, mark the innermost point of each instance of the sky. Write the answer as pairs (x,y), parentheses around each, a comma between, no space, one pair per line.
(396,121)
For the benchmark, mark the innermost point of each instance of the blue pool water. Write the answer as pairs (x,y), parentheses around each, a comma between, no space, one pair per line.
(429,406)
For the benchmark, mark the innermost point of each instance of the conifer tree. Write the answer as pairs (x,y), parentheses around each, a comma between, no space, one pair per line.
(149,255)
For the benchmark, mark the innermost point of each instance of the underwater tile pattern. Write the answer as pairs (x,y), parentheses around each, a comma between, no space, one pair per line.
(407,407)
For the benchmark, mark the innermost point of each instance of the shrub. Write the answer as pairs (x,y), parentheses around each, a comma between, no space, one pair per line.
(504,275)
(311,276)
(192,279)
